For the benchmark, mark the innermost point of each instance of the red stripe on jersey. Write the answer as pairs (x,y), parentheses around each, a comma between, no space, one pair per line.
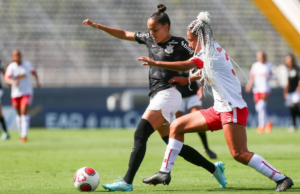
(33,72)
(8,76)
(168,158)
(197,62)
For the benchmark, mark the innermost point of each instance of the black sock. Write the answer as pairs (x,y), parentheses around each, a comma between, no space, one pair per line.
(3,124)
(204,139)
(191,155)
(141,135)
(293,114)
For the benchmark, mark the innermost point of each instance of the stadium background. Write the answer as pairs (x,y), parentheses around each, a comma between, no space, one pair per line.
(93,80)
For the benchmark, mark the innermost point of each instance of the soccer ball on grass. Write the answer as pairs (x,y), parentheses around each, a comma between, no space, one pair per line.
(86,179)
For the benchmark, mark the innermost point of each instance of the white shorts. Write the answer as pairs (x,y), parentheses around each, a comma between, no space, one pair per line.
(168,102)
(292,98)
(189,102)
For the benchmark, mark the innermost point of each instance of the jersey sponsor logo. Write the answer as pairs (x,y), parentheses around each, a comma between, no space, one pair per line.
(173,42)
(143,35)
(169,49)
(186,47)
(21,76)
(219,49)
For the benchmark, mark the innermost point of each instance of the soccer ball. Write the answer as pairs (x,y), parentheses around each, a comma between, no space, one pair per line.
(86,179)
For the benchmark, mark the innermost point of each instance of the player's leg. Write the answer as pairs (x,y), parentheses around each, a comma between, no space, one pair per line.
(236,138)
(260,108)
(24,117)
(193,122)
(5,134)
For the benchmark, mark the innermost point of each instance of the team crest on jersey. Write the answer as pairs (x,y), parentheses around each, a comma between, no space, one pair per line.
(169,49)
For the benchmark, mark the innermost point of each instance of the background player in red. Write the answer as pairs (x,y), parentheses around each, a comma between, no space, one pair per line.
(291,91)
(230,111)
(191,102)
(260,74)
(18,76)
(165,99)
(5,134)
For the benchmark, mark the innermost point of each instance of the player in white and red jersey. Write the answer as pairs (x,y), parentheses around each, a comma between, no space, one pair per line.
(18,76)
(260,74)
(229,112)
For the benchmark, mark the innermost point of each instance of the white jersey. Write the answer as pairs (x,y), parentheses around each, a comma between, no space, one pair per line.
(22,73)
(261,74)
(227,94)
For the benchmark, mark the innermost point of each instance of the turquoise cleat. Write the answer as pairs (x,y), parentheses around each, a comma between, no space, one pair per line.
(219,174)
(5,136)
(118,185)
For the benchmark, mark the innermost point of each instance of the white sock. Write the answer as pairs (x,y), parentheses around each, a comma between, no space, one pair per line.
(172,151)
(261,108)
(18,122)
(261,165)
(25,122)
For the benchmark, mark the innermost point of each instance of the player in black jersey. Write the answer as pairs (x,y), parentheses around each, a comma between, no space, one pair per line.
(292,89)
(191,100)
(5,134)
(165,99)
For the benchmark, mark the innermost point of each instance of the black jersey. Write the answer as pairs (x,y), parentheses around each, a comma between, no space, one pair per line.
(294,76)
(175,49)
(185,90)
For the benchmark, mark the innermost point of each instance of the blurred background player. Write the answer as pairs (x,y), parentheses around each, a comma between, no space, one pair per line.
(191,102)
(165,99)
(260,74)
(291,91)
(5,134)
(18,76)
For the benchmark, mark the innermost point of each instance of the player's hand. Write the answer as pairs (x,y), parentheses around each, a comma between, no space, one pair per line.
(38,85)
(200,93)
(14,82)
(147,60)
(179,80)
(248,88)
(87,22)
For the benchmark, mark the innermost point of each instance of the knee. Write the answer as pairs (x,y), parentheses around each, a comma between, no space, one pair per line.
(241,156)
(174,128)
(143,132)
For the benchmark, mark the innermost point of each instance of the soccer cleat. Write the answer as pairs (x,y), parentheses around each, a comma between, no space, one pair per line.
(23,139)
(219,174)
(268,128)
(5,136)
(210,153)
(118,185)
(284,184)
(158,178)
(260,129)
(292,129)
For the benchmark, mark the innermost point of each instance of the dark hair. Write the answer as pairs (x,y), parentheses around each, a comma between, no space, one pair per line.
(293,59)
(160,16)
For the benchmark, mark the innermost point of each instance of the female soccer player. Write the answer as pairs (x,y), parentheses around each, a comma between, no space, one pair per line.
(192,101)
(260,74)
(5,134)
(229,112)
(165,99)
(18,76)
(292,89)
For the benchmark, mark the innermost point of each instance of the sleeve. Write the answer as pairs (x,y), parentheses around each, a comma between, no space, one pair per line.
(141,37)
(252,71)
(187,51)
(8,72)
(30,68)
(197,61)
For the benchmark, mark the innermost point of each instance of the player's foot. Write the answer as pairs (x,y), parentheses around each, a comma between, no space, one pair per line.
(5,136)
(158,178)
(268,128)
(23,139)
(118,185)
(292,129)
(284,184)
(219,174)
(210,153)
(260,129)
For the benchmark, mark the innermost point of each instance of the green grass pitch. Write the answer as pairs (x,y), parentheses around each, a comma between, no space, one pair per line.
(48,161)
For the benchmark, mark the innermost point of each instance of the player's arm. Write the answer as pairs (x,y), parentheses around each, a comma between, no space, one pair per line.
(249,84)
(285,89)
(173,66)
(118,33)
(10,81)
(36,77)
(185,80)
